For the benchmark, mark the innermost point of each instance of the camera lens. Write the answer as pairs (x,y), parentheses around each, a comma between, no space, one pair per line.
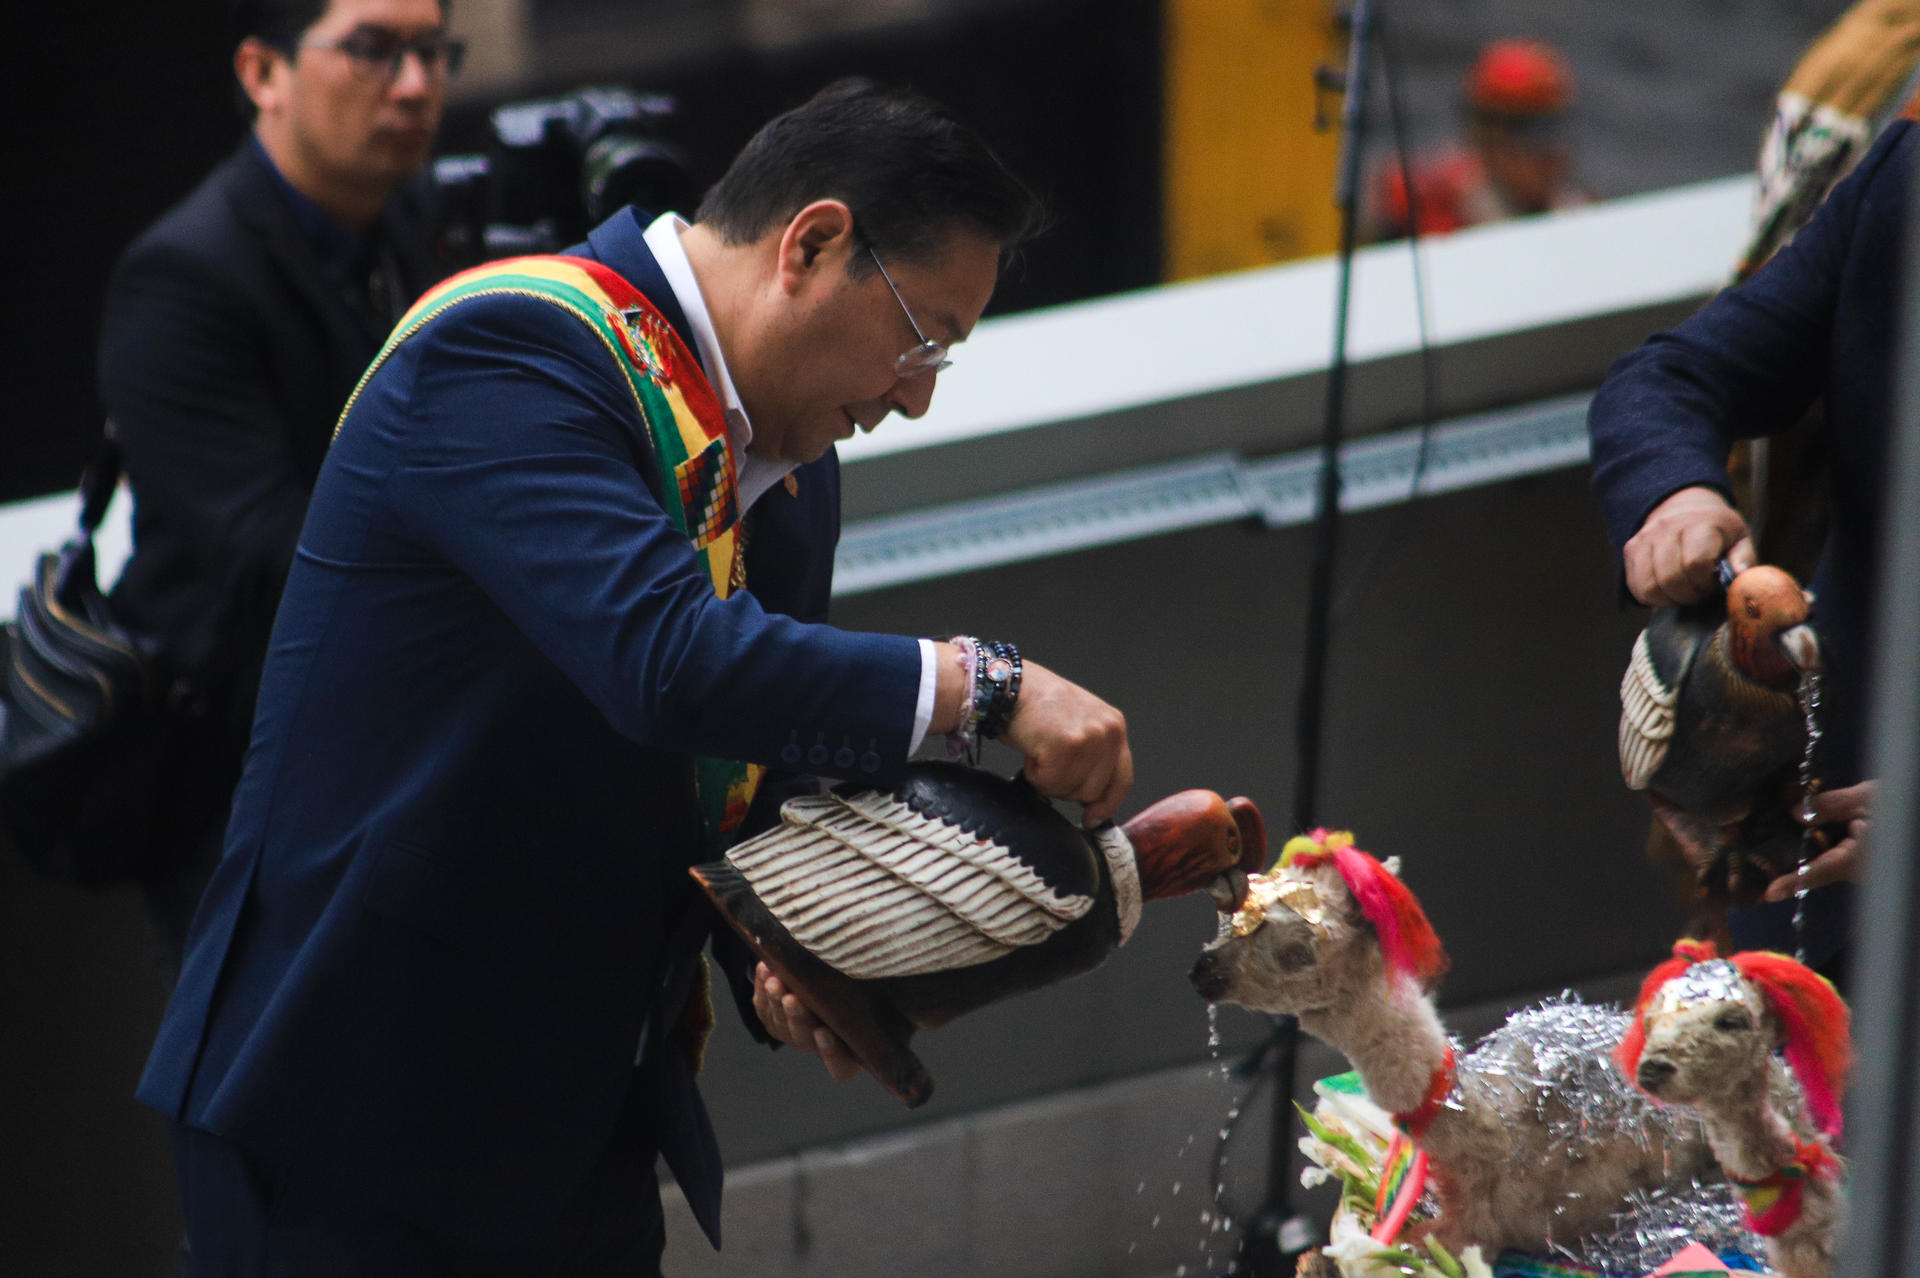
(623,167)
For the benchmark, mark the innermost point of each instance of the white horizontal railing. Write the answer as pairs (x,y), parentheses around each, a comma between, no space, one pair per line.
(1181,340)
(1280,492)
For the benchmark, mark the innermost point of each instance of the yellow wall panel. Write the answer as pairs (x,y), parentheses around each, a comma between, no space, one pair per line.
(1249,180)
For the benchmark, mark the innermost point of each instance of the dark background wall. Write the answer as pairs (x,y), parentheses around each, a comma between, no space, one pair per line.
(132,108)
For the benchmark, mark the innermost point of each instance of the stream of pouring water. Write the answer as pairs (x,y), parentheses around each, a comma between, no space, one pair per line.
(1810,710)
(1213,1215)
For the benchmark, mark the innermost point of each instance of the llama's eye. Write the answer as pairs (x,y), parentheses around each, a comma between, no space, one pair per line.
(1731,1022)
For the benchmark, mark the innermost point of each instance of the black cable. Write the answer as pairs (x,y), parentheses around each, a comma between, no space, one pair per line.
(1310,718)
(1277,1058)
(1264,1244)
(1357,580)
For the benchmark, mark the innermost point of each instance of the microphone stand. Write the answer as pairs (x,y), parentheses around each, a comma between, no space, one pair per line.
(1278,1232)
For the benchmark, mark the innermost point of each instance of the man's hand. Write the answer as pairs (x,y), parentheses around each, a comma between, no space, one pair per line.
(1846,859)
(1671,559)
(1075,743)
(793,1023)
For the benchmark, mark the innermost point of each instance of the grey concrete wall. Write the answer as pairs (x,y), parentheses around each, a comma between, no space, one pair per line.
(1108,1180)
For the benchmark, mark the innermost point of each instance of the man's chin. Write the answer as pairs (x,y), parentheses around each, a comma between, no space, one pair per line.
(400,155)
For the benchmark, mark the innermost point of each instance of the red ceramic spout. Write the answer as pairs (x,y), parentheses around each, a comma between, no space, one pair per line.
(1186,841)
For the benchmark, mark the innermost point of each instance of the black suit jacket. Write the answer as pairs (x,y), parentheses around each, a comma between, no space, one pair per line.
(228,347)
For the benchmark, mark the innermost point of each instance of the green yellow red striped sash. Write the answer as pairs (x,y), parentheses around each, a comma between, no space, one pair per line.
(695,469)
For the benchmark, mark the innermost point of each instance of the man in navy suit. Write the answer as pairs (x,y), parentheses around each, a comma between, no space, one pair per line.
(433,1017)
(1820,319)
(234,329)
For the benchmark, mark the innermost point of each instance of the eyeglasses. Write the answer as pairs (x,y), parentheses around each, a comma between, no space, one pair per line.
(929,356)
(377,54)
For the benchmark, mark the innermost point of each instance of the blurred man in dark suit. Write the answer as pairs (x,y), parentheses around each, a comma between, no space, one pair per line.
(234,329)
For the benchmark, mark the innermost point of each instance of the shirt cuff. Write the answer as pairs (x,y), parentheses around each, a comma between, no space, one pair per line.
(923,707)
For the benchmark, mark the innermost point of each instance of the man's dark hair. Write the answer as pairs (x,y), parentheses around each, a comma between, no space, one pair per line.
(279,23)
(910,172)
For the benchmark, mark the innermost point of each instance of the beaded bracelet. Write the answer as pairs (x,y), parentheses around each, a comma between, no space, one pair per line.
(1000,672)
(964,741)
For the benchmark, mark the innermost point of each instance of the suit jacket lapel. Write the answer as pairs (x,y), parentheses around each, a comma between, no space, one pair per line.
(406,231)
(254,191)
(620,242)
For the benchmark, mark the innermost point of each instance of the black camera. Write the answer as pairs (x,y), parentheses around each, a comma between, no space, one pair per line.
(556,167)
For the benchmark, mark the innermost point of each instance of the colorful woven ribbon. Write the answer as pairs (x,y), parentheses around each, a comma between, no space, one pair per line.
(1774,1202)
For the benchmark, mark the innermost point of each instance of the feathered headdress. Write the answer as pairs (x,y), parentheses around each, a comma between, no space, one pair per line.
(1813,1021)
(1408,943)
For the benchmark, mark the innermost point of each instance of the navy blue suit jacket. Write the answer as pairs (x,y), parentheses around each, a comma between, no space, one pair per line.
(1820,319)
(455,881)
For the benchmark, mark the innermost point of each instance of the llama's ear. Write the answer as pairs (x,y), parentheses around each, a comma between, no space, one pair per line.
(1392,866)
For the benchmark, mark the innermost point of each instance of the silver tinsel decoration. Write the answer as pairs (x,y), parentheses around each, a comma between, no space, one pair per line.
(1655,1224)
(1559,1055)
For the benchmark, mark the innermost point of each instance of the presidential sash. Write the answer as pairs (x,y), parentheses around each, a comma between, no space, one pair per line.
(695,471)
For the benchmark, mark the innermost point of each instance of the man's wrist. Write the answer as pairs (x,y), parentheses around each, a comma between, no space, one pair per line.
(963,742)
(989,675)
(999,687)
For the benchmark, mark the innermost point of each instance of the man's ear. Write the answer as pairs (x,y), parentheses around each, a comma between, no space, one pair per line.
(818,236)
(254,62)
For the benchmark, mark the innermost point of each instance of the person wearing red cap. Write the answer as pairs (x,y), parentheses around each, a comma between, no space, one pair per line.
(1515,162)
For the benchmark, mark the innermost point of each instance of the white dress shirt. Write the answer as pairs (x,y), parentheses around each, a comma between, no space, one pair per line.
(757,474)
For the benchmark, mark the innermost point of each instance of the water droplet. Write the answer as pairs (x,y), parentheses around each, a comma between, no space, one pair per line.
(1180,1272)
(1156,1223)
(1139,1189)
(1176,1189)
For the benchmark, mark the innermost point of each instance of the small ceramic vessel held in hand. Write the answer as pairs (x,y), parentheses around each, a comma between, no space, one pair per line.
(1711,727)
